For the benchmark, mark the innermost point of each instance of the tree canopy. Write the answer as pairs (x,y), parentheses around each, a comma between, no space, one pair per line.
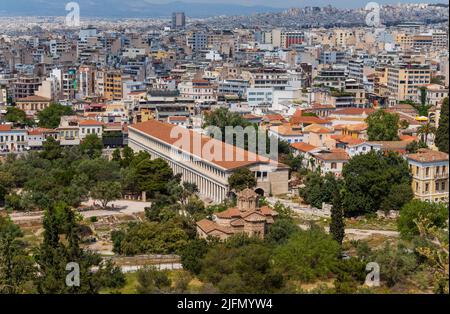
(373,181)
(383,126)
(50,117)
(443,129)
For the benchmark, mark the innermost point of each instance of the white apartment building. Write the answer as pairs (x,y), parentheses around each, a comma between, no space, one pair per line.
(12,140)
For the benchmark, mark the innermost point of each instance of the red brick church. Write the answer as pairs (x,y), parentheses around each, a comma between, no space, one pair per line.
(247,218)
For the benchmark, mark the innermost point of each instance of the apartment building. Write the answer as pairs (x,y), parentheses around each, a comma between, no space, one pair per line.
(178,20)
(435,94)
(209,173)
(430,175)
(403,81)
(269,78)
(109,84)
(286,39)
(199,90)
(3,95)
(197,41)
(33,104)
(25,86)
(333,77)
(12,140)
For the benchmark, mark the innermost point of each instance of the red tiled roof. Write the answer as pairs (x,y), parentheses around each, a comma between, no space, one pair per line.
(38,131)
(303,147)
(5,127)
(90,122)
(240,157)
(426,155)
(336,154)
(207,226)
(298,118)
(317,128)
(34,98)
(353,111)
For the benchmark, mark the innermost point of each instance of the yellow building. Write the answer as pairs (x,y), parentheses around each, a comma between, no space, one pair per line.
(111,85)
(430,175)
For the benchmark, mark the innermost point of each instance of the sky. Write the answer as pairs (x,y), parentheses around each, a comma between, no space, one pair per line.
(275,3)
(302,3)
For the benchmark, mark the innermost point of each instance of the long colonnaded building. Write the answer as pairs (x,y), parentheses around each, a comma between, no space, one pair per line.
(209,173)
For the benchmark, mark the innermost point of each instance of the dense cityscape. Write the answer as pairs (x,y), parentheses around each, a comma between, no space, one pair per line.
(292,151)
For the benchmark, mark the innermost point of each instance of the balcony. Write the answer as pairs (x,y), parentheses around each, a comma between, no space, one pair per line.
(441,176)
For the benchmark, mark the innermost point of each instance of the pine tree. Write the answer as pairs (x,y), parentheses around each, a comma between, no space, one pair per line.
(337,226)
(441,140)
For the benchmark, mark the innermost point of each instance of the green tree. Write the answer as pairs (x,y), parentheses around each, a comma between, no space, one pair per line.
(442,131)
(307,255)
(50,117)
(241,179)
(370,178)
(152,176)
(383,126)
(414,146)
(425,130)
(416,210)
(117,155)
(435,251)
(281,230)
(150,281)
(16,115)
(106,192)
(397,263)
(16,266)
(241,267)
(337,224)
(319,189)
(128,156)
(350,275)
(192,254)
(51,149)
(92,145)
(53,256)
(165,237)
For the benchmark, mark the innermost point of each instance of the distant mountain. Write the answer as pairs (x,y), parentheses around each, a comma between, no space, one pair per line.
(127,8)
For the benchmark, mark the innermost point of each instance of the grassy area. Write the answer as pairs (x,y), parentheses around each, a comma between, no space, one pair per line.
(372,223)
(129,288)
(195,286)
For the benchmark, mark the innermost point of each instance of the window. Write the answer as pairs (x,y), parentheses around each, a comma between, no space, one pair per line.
(427,187)
(333,165)
(443,186)
(427,171)
(437,186)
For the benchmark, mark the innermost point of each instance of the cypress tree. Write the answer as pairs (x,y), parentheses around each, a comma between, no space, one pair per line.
(337,225)
(441,140)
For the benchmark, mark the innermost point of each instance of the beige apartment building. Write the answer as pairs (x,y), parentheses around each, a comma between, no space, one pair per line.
(209,173)
(33,104)
(109,84)
(403,81)
(430,175)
